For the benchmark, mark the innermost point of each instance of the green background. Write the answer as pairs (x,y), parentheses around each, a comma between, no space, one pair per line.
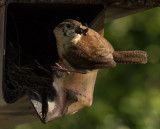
(128,96)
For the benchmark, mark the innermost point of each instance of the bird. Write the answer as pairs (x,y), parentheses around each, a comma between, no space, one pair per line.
(81,51)
(84,49)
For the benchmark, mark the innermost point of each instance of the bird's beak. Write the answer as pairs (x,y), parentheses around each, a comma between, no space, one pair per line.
(80,30)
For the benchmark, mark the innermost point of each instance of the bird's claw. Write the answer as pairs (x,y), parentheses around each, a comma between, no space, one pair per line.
(58,67)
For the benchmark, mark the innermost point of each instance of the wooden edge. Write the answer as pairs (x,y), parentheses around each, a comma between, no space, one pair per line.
(115,8)
(2,51)
(17,113)
(115,12)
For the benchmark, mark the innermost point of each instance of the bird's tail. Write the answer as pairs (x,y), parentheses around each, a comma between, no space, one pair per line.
(135,57)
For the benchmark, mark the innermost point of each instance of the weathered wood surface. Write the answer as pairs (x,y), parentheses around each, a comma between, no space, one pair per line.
(115,8)
(20,111)
(122,2)
(17,113)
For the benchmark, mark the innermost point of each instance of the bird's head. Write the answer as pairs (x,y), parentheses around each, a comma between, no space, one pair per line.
(69,29)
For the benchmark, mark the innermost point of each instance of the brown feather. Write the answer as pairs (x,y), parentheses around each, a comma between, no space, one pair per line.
(136,57)
(91,52)
(84,48)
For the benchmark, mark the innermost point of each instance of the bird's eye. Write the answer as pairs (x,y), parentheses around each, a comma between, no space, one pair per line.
(68,26)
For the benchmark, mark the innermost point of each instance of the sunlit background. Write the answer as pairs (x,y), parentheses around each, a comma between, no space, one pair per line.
(128,96)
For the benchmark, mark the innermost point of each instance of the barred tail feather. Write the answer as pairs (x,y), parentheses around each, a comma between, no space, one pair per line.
(135,57)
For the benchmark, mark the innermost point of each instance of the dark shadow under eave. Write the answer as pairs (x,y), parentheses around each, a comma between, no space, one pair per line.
(30,28)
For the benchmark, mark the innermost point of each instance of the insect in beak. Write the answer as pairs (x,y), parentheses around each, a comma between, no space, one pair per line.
(81,31)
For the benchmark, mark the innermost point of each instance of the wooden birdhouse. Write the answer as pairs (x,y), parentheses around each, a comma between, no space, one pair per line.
(28,47)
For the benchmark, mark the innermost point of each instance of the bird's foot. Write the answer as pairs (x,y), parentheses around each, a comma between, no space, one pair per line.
(58,67)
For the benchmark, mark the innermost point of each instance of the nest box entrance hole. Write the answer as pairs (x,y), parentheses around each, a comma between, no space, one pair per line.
(29,31)
(30,28)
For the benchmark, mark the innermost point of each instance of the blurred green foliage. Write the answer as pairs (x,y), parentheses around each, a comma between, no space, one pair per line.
(128,96)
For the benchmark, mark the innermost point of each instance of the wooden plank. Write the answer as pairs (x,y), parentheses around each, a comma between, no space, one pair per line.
(2,13)
(17,113)
(115,8)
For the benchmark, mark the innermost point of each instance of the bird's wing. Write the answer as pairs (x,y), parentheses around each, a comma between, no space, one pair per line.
(91,52)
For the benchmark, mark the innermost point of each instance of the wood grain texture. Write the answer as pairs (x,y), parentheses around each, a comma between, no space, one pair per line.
(115,8)
(120,2)
(17,113)
(2,11)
